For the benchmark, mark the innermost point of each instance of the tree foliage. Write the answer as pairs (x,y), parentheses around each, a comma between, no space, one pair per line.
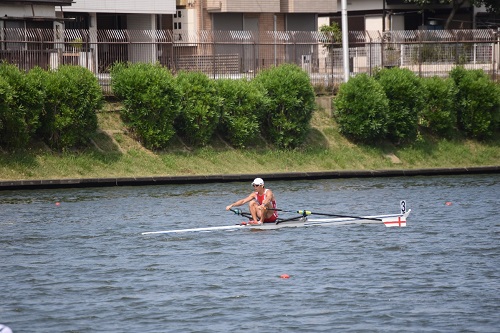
(405,93)
(478,101)
(151,100)
(361,109)
(72,97)
(439,114)
(239,119)
(200,107)
(289,106)
(491,6)
(332,34)
(21,104)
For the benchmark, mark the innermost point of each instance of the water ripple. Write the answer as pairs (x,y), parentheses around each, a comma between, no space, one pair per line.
(83,265)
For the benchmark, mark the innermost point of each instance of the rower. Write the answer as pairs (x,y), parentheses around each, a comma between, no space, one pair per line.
(261,202)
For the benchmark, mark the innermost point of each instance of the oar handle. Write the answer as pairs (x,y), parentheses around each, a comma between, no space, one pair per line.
(237,211)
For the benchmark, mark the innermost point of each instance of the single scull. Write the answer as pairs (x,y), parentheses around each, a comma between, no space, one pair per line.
(390,220)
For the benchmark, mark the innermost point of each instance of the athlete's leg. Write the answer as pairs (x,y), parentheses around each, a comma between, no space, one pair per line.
(253,206)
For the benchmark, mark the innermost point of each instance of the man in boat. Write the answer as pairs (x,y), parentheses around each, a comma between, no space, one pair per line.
(262,203)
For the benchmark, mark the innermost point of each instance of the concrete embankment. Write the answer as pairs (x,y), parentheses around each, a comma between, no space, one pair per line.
(164,180)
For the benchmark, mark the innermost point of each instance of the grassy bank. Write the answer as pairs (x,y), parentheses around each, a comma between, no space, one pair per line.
(115,153)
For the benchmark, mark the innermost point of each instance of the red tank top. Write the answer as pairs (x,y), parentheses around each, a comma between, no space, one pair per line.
(261,198)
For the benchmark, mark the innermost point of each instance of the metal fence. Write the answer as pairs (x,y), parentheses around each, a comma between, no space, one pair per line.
(237,54)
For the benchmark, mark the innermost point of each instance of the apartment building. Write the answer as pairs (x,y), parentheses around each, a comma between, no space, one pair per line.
(118,14)
(229,36)
(198,15)
(261,15)
(190,16)
(186,18)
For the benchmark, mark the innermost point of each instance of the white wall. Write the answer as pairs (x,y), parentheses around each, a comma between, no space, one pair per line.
(374,23)
(123,6)
(323,21)
(141,52)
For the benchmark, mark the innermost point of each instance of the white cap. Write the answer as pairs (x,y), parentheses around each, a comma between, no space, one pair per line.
(258,181)
(5,329)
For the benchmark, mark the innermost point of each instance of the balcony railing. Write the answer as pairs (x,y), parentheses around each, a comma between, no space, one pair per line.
(236,54)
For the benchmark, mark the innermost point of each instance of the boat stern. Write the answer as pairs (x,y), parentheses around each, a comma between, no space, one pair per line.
(396,221)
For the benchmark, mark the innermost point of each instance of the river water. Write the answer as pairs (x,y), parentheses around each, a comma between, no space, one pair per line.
(74,260)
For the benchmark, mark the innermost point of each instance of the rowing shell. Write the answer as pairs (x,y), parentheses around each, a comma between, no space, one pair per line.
(391,220)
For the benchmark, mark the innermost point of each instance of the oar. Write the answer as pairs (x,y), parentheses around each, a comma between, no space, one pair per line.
(289,219)
(238,211)
(308,212)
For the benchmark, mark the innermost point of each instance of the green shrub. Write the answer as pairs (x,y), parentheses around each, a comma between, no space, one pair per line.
(289,107)
(200,107)
(439,112)
(7,118)
(239,120)
(361,109)
(24,107)
(478,103)
(72,97)
(151,100)
(406,97)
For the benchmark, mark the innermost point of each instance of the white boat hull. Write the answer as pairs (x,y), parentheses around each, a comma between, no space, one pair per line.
(391,220)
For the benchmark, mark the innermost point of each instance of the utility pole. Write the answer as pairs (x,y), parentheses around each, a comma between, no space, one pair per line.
(383,15)
(345,41)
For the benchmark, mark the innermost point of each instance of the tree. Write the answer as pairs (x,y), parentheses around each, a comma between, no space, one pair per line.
(333,34)
(491,6)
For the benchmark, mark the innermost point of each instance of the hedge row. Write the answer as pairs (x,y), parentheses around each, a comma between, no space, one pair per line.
(60,106)
(395,104)
(278,105)
(55,106)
